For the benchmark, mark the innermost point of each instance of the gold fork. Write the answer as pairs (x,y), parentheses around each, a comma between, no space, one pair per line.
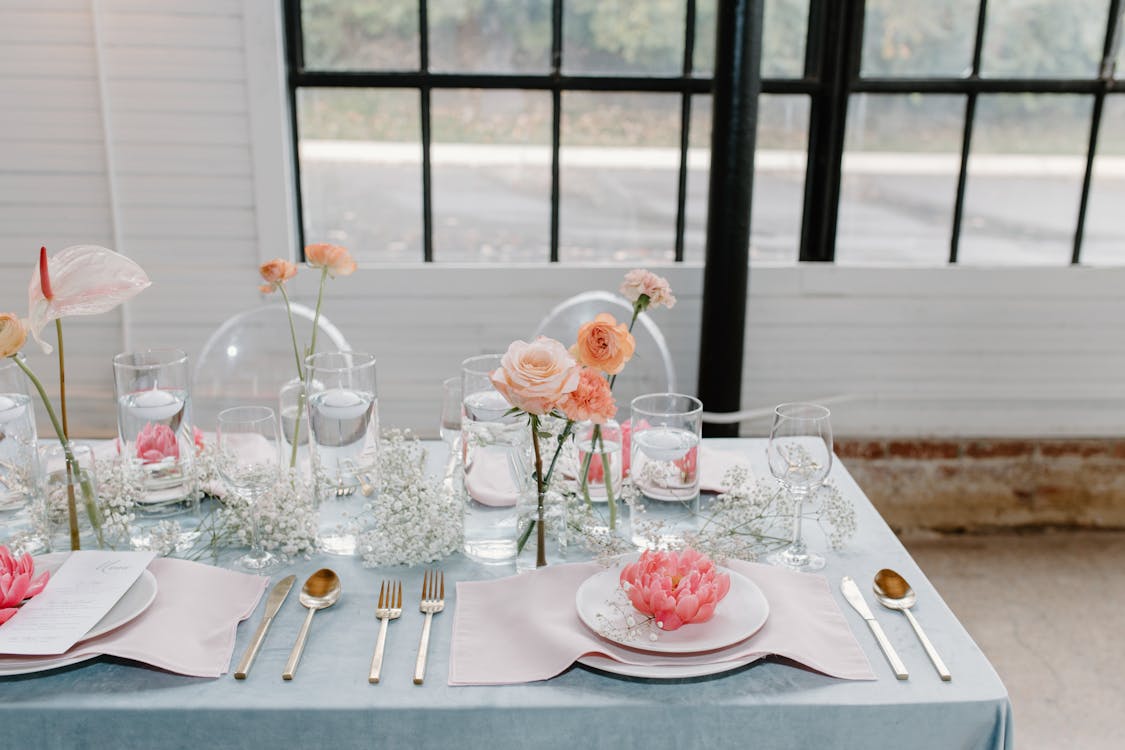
(389,608)
(433,601)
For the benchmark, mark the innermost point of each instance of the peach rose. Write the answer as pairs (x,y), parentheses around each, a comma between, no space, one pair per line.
(604,344)
(591,401)
(13,334)
(274,272)
(645,289)
(536,377)
(333,257)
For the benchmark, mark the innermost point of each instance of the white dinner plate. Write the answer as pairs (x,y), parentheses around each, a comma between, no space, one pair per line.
(741,614)
(663,671)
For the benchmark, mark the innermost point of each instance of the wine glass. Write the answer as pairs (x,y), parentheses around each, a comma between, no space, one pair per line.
(800,456)
(250,462)
(451,411)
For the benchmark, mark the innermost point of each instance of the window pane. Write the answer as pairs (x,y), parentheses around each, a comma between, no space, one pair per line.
(784,30)
(918,37)
(491,167)
(901,161)
(1053,38)
(1025,179)
(1103,241)
(360,34)
(361,175)
(618,37)
(492,36)
(619,171)
(698,179)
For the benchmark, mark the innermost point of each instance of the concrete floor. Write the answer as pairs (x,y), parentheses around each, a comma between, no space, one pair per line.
(1049,611)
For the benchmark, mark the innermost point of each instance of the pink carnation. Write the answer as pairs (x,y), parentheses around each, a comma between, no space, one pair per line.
(16,584)
(675,588)
(157,442)
(591,401)
(645,289)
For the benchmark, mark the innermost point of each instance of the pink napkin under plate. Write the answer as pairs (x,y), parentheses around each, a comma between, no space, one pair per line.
(526,628)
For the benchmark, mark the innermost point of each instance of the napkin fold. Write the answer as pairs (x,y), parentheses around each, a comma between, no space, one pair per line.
(526,628)
(190,626)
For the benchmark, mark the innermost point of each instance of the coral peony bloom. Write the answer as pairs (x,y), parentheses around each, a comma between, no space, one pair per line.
(16,582)
(156,442)
(13,334)
(333,257)
(274,272)
(605,344)
(536,377)
(645,289)
(675,588)
(591,401)
(80,280)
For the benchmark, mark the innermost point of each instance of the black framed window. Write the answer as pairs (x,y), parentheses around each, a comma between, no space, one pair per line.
(890,131)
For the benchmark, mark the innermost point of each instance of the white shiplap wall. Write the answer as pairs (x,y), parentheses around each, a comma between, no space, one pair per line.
(192,182)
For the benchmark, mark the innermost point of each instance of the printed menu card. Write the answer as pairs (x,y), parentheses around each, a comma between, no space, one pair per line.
(79,594)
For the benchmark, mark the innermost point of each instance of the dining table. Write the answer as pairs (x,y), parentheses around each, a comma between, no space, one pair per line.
(114,703)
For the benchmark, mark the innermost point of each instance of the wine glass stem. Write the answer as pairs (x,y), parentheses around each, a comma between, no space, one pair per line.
(255,538)
(797,546)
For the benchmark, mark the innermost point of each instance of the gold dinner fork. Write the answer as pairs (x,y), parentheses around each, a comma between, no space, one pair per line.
(389,608)
(433,601)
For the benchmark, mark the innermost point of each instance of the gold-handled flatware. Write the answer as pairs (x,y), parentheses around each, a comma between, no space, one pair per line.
(273,604)
(320,591)
(433,601)
(389,608)
(851,593)
(893,592)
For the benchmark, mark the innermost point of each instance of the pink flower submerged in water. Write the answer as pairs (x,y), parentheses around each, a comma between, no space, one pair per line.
(16,582)
(156,442)
(675,588)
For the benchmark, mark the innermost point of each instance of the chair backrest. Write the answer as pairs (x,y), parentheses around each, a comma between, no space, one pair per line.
(250,356)
(649,371)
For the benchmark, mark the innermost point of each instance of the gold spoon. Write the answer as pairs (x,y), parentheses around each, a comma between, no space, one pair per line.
(321,591)
(893,592)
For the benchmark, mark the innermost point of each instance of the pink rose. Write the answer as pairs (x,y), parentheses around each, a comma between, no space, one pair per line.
(333,257)
(645,289)
(16,584)
(157,442)
(536,377)
(591,401)
(675,588)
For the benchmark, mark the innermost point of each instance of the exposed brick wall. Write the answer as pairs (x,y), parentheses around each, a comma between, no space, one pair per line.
(982,484)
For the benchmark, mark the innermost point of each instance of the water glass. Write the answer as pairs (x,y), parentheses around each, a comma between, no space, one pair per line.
(155,427)
(488,435)
(800,457)
(664,464)
(19,461)
(68,477)
(249,460)
(343,412)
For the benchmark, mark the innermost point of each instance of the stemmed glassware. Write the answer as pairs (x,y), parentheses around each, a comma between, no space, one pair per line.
(250,462)
(800,457)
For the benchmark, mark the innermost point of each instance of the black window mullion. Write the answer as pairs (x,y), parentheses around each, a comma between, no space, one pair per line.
(967,135)
(294,51)
(685,130)
(556,121)
(424,95)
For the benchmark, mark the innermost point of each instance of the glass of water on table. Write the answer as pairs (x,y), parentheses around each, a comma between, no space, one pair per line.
(664,465)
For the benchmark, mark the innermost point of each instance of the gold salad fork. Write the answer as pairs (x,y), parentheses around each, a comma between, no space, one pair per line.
(433,601)
(389,608)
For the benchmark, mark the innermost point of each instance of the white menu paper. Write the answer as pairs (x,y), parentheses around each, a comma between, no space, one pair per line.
(79,594)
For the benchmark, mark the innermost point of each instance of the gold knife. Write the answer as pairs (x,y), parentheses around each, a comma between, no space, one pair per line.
(273,604)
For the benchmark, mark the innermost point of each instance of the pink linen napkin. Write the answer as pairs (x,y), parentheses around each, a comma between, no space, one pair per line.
(190,626)
(526,628)
(490,481)
(714,464)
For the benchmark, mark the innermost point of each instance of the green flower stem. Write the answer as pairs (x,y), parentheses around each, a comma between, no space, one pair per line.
(316,315)
(541,490)
(300,370)
(297,426)
(292,330)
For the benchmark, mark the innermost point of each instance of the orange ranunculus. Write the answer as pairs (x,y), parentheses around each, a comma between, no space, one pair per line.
(604,344)
(536,377)
(277,271)
(13,334)
(591,401)
(333,257)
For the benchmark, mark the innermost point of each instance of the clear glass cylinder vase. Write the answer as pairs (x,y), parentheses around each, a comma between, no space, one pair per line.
(19,461)
(67,516)
(541,522)
(292,406)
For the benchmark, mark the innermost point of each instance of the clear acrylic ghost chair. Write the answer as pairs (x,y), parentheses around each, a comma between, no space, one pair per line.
(649,371)
(250,356)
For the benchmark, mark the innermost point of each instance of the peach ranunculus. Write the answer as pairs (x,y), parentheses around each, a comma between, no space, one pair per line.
(336,259)
(604,344)
(156,442)
(17,582)
(276,272)
(675,588)
(13,334)
(591,401)
(645,289)
(535,377)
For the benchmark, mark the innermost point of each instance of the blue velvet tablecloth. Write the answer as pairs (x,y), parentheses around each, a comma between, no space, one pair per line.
(115,704)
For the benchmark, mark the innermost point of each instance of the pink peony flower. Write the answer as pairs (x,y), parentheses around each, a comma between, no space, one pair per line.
(591,401)
(16,583)
(333,257)
(536,377)
(645,289)
(675,588)
(156,442)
